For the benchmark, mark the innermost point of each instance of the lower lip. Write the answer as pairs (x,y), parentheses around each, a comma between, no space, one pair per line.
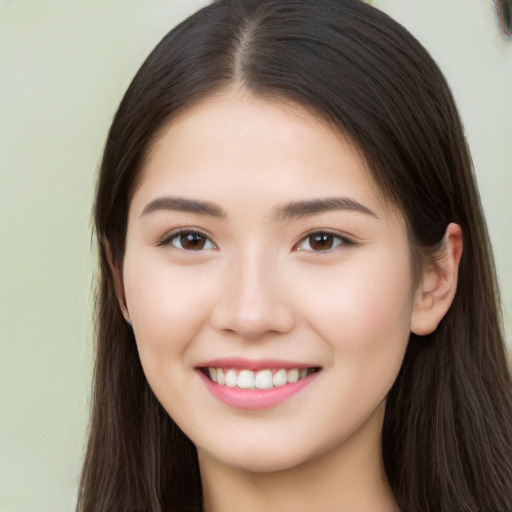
(253,399)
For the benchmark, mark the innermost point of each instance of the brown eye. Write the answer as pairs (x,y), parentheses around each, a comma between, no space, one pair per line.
(322,242)
(189,241)
(192,242)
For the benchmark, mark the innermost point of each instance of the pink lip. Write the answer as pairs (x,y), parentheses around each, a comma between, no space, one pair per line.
(239,363)
(253,399)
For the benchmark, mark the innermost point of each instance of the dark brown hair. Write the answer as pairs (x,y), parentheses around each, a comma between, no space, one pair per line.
(446,437)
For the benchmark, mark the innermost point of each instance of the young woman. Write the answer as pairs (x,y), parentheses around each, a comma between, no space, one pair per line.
(297,306)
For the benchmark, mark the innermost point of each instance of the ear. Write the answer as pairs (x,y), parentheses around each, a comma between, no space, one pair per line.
(116,268)
(438,284)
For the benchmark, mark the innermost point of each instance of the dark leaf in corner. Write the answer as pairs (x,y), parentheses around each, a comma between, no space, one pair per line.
(504,10)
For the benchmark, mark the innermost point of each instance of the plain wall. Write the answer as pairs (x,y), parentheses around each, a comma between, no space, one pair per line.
(64,65)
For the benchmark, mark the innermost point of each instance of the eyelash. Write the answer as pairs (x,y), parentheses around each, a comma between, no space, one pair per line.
(168,239)
(342,240)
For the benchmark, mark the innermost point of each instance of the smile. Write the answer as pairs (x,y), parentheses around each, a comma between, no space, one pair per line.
(239,386)
(261,379)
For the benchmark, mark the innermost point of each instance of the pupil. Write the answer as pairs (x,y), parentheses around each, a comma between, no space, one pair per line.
(321,242)
(192,241)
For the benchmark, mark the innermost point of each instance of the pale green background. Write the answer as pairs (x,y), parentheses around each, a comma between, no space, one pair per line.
(64,65)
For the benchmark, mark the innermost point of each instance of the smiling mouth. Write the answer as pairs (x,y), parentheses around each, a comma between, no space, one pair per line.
(260,379)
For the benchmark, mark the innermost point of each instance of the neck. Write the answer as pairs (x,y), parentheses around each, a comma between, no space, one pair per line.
(346,478)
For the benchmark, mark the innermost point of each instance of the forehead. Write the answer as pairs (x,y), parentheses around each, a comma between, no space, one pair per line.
(258,148)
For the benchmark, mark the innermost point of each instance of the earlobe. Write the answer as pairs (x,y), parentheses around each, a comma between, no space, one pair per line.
(117,275)
(438,284)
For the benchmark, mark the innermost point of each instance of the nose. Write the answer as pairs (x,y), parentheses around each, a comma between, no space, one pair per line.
(253,300)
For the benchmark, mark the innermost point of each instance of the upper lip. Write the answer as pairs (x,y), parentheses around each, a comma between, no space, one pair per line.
(253,364)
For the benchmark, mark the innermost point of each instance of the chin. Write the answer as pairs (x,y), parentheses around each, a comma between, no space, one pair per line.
(258,463)
(260,457)
(266,463)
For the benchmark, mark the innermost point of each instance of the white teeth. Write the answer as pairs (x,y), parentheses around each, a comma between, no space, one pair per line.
(246,379)
(292,375)
(279,378)
(231,378)
(263,379)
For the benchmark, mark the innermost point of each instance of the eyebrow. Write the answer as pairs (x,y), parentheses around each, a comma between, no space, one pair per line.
(285,212)
(184,204)
(298,209)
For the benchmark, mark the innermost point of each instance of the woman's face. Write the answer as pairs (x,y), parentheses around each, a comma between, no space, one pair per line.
(259,252)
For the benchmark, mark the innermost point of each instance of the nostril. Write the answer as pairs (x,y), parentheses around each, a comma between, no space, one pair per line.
(252,321)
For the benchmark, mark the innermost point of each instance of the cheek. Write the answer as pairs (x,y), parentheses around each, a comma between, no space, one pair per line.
(364,310)
(166,306)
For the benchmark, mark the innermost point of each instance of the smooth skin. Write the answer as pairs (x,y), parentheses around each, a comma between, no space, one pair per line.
(262,272)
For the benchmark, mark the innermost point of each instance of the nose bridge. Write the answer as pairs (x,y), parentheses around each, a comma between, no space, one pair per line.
(252,300)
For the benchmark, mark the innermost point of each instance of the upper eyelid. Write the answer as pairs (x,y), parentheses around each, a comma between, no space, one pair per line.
(326,231)
(345,242)
(169,235)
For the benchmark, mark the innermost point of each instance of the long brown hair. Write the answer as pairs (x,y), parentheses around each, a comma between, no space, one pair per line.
(446,439)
